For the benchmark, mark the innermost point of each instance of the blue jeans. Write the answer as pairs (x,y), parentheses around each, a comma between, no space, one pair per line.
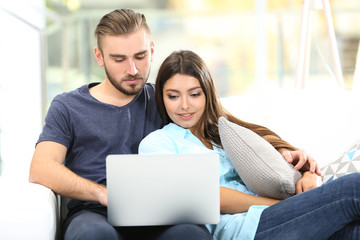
(91,225)
(331,211)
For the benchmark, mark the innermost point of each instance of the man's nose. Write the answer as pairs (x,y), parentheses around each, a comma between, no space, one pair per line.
(131,69)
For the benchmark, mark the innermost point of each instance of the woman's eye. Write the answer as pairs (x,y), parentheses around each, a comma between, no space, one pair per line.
(195,94)
(172,96)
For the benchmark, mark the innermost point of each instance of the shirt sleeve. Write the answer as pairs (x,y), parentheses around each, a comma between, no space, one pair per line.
(157,143)
(57,125)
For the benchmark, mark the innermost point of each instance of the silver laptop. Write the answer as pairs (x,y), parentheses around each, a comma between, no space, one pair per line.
(146,190)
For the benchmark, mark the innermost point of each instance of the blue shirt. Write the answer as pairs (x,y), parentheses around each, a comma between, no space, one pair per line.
(177,140)
(90,129)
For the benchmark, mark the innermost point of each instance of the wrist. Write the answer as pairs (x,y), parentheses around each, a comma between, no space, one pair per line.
(101,194)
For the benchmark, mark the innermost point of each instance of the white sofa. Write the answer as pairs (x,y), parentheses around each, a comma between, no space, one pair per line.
(325,125)
(27,211)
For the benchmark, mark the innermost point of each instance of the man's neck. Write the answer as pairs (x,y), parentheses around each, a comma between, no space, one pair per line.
(105,92)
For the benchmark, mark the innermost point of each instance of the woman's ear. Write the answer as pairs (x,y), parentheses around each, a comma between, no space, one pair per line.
(98,56)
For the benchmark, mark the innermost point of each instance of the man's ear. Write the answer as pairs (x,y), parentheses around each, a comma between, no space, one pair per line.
(98,56)
(152,50)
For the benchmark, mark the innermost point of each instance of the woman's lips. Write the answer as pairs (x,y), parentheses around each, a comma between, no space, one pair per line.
(186,116)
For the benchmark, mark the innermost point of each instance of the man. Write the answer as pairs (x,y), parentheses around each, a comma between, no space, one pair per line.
(85,125)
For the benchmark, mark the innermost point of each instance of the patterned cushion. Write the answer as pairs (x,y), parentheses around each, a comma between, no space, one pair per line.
(262,168)
(349,162)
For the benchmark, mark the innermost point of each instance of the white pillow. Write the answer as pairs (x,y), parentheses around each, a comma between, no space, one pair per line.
(262,168)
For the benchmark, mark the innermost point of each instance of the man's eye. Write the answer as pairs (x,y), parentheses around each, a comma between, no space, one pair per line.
(119,60)
(139,57)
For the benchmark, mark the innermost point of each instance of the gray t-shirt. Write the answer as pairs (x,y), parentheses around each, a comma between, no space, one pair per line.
(91,129)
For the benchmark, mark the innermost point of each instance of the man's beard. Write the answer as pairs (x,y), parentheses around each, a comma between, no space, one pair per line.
(134,89)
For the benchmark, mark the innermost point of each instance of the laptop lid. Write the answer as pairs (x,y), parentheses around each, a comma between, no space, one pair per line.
(146,190)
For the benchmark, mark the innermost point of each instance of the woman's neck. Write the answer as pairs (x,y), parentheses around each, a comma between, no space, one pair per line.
(205,141)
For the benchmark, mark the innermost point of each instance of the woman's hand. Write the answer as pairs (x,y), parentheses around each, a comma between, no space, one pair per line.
(300,160)
(308,181)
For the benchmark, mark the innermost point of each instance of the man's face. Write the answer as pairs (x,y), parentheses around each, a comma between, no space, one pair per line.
(126,60)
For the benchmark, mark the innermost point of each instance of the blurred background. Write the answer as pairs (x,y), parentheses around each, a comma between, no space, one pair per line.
(47,48)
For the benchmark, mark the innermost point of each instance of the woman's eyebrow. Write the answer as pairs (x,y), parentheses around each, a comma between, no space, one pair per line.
(172,90)
(175,90)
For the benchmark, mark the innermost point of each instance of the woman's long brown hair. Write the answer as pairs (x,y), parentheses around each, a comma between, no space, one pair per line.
(189,63)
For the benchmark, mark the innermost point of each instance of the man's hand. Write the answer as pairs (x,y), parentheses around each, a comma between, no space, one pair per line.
(300,160)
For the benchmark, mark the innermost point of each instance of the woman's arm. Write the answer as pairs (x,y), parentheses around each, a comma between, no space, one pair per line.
(232,201)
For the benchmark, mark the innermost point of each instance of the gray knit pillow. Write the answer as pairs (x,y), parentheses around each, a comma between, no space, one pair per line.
(262,168)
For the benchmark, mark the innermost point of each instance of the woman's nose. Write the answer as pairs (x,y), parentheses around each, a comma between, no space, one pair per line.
(184,103)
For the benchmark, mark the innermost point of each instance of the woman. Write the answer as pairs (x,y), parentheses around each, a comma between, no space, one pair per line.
(187,101)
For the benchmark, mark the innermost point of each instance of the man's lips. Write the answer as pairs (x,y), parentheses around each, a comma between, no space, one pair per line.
(132,80)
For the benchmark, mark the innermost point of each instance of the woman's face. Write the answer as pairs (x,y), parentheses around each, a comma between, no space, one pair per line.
(184,100)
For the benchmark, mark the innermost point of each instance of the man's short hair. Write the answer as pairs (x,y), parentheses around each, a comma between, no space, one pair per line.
(120,22)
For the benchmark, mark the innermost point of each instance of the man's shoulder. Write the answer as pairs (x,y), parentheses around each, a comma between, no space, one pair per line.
(149,88)
(150,85)
(69,96)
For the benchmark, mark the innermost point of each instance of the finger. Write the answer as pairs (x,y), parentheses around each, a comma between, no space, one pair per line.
(312,164)
(314,167)
(287,155)
(296,156)
(302,160)
(317,170)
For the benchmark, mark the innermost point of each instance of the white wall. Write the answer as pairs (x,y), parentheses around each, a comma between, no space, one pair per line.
(325,123)
(20,83)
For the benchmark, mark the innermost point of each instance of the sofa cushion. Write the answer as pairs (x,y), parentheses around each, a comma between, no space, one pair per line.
(258,163)
(348,162)
(28,210)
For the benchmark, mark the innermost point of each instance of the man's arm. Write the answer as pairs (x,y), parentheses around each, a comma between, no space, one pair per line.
(47,169)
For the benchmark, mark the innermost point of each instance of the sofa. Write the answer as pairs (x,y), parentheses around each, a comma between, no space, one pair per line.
(325,124)
(27,210)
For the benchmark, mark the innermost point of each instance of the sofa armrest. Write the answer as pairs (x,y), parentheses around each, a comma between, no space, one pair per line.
(27,211)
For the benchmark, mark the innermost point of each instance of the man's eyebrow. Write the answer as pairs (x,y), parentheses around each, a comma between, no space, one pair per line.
(124,56)
(142,52)
(117,55)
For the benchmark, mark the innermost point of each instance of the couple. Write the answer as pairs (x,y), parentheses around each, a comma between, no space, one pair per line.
(83,126)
